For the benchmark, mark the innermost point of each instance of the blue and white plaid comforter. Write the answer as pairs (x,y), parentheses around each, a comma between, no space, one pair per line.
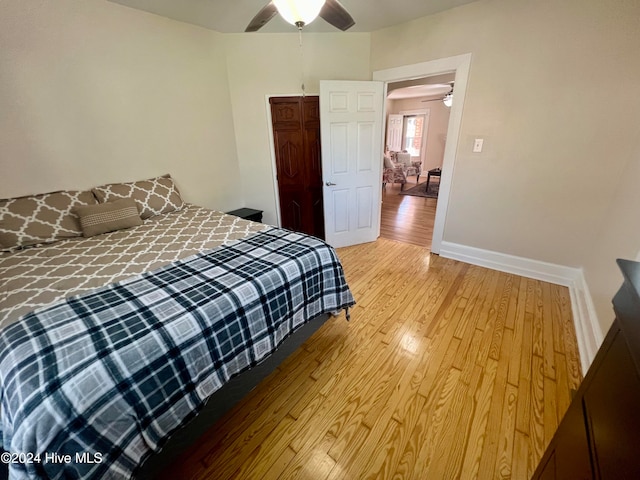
(92,385)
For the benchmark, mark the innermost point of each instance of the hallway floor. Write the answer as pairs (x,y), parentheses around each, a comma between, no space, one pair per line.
(405,218)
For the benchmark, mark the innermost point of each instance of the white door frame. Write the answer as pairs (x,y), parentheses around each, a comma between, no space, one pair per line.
(459,65)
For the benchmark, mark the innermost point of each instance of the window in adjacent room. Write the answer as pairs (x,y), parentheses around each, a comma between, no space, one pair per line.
(412,134)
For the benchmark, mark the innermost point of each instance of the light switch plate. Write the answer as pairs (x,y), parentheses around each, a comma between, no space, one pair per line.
(477,145)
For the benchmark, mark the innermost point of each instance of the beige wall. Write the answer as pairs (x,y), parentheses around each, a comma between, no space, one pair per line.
(262,65)
(618,237)
(553,89)
(94,92)
(437,133)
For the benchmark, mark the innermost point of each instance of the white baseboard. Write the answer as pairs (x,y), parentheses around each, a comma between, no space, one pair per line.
(588,331)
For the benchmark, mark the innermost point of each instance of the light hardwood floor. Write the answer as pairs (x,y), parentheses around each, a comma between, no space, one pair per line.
(405,218)
(445,371)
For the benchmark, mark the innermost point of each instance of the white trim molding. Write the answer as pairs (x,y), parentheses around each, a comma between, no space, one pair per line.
(588,332)
(588,329)
(460,65)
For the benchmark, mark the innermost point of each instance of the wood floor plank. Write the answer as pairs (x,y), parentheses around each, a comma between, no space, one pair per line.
(570,342)
(488,319)
(514,303)
(501,305)
(538,320)
(312,465)
(523,411)
(497,407)
(518,325)
(563,389)
(248,440)
(431,424)
(369,402)
(272,455)
(548,357)
(477,435)
(558,320)
(504,461)
(469,355)
(442,372)
(520,467)
(448,456)
(537,440)
(550,419)
(281,463)
(408,466)
(350,459)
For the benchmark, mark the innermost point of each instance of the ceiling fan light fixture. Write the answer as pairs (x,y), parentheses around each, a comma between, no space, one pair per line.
(299,12)
(448,99)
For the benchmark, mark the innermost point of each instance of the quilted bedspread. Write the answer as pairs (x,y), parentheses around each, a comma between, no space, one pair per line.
(94,383)
(36,277)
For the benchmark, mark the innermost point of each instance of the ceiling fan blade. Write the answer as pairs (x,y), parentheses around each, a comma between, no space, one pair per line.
(335,14)
(263,16)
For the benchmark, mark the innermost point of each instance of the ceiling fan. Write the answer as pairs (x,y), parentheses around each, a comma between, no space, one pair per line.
(447,99)
(302,12)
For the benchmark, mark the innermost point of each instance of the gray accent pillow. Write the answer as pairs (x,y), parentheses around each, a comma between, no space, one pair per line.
(108,217)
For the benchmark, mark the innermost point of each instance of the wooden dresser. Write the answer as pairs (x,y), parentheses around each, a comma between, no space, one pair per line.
(599,437)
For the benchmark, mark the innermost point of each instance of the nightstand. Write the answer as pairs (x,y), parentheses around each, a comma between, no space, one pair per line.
(247,214)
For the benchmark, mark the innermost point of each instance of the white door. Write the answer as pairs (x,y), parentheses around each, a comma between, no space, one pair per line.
(394,132)
(351,127)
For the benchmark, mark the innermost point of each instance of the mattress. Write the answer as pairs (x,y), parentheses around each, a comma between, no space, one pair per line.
(36,277)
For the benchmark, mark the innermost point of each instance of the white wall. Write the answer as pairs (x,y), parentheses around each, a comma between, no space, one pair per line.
(553,89)
(94,92)
(262,65)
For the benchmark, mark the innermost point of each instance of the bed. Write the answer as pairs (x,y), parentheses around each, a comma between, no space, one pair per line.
(137,320)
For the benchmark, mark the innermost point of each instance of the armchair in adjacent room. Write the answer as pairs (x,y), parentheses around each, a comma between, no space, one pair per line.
(410,167)
(392,173)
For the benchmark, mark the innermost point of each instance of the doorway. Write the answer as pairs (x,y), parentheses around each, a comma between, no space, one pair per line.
(459,66)
(417,123)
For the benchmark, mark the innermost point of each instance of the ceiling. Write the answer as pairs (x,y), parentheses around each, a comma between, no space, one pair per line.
(437,90)
(232,16)
(436,86)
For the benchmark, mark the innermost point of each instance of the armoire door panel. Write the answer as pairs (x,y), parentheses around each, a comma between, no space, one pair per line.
(311,108)
(285,112)
(290,157)
(312,142)
(291,211)
(318,213)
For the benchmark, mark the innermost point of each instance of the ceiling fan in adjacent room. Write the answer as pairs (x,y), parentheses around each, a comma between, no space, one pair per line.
(303,12)
(447,99)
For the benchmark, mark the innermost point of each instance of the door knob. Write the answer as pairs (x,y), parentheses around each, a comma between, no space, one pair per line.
(330,184)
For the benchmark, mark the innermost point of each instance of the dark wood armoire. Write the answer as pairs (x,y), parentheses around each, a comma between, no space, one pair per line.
(296,133)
